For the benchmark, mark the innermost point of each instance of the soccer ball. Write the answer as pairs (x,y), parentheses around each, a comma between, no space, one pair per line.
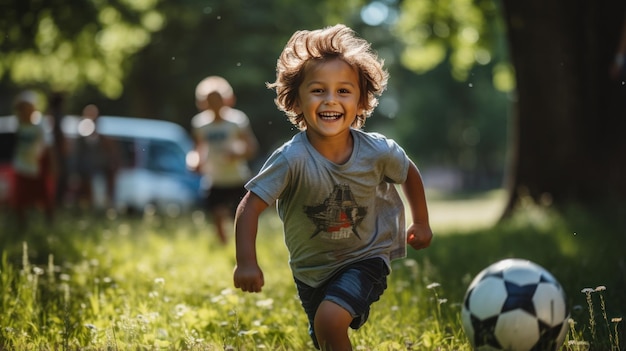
(515,305)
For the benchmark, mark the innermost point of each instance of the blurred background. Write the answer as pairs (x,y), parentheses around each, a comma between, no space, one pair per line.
(484,94)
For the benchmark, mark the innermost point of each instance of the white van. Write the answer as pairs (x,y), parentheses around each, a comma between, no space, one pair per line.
(154,172)
(153,169)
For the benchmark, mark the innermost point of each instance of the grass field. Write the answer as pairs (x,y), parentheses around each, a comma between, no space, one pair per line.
(465,213)
(158,283)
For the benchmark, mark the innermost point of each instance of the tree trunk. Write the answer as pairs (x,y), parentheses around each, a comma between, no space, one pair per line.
(567,144)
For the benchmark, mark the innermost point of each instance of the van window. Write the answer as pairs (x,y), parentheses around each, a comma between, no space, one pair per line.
(165,156)
(126,149)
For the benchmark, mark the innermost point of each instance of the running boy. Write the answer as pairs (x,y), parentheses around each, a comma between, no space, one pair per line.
(343,220)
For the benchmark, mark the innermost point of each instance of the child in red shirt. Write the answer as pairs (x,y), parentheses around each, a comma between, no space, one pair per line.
(32,161)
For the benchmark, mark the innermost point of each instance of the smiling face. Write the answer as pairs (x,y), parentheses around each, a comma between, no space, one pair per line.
(329,98)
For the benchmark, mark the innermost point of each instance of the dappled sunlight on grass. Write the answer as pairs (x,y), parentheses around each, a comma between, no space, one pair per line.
(159,283)
(464,213)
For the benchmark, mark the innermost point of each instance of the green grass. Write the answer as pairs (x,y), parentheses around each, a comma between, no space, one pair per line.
(166,284)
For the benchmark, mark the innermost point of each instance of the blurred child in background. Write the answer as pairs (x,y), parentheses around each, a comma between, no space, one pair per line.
(97,163)
(224,143)
(33,162)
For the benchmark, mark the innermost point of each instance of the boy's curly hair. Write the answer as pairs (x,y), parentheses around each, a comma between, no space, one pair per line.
(320,45)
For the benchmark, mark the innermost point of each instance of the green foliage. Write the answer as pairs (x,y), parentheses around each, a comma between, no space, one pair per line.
(167,47)
(161,283)
(62,47)
(431,28)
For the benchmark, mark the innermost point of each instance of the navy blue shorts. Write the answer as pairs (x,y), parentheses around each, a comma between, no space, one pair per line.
(222,196)
(354,288)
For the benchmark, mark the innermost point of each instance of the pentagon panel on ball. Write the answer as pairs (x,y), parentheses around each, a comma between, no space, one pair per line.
(515,305)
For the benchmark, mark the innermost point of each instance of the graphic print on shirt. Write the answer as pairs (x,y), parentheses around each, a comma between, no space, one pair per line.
(217,136)
(338,215)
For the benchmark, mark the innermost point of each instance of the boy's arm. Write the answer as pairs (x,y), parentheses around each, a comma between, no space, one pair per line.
(419,233)
(199,149)
(248,275)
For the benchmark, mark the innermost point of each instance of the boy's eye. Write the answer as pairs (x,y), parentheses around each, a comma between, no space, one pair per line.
(322,90)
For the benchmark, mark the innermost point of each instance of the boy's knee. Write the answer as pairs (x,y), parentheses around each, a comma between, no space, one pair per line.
(332,318)
(331,327)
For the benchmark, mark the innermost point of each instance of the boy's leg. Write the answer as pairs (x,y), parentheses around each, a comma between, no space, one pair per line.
(331,327)
(351,291)
(222,203)
(220,215)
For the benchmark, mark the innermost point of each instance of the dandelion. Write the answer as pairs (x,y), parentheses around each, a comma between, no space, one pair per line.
(267,303)
(433,285)
(592,321)
(578,345)
(217,299)
(180,310)
(616,320)
(600,289)
(409,262)
(191,339)
(162,333)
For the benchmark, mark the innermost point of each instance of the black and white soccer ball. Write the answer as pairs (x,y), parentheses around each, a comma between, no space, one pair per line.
(515,305)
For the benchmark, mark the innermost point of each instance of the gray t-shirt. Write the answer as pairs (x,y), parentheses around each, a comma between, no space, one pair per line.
(332,214)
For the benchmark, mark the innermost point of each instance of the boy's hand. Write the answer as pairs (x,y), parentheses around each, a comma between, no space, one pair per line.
(248,278)
(419,236)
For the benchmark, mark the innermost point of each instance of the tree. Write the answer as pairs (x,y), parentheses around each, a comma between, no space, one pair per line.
(554,59)
(568,142)
(59,46)
(567,117)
